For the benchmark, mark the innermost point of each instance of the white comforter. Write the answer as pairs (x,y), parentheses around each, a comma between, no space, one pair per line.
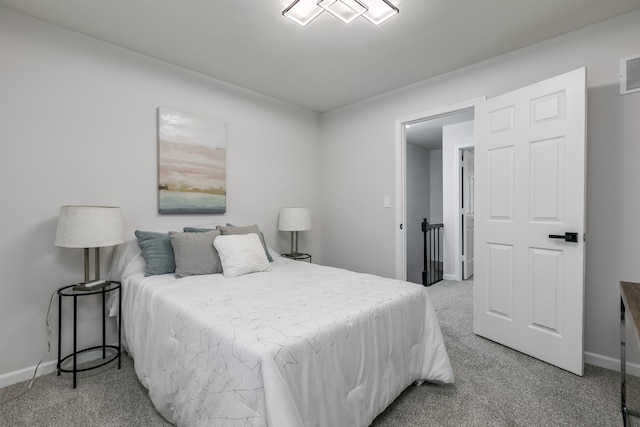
(301,345)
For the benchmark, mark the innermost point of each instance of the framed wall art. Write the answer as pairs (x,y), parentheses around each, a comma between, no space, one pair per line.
(192,166)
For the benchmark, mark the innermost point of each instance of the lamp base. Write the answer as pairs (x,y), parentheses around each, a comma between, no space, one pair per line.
(294,244)
(82,288)
(91,286)
(298,256)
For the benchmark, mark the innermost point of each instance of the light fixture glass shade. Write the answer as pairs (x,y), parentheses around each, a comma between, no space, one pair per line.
(375,11)
(294,219)
(89,227)
(303,11)
(379,11)
(344,10)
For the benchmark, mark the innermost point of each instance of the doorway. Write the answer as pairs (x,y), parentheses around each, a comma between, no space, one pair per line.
(435,191)
(429,186)
(423,189)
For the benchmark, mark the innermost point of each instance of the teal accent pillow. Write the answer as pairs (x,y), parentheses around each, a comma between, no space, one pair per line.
(247,229)
(157,252)
(196,230)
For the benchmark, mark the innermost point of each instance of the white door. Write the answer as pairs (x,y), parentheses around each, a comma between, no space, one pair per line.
(467,174)
(530,185)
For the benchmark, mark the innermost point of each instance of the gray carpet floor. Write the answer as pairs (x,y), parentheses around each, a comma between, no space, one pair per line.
(495,386)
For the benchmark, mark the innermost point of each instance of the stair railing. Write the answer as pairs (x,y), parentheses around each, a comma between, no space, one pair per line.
(432,271)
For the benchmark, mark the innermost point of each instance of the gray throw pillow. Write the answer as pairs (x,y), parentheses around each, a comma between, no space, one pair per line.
(247,229)
(157,252)
(195,253)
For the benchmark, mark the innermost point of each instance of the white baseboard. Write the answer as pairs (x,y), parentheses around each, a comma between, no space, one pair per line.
(26,374)
(611,363)
(449,277)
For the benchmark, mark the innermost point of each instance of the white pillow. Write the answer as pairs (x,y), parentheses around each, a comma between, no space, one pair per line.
(241,254)
(127,261)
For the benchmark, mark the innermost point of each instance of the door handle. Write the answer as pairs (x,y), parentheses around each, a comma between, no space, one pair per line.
(567,237)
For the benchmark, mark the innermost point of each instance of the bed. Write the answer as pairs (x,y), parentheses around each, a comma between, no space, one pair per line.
(297,345)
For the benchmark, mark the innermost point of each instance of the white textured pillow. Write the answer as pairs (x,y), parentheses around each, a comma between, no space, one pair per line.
(241,254)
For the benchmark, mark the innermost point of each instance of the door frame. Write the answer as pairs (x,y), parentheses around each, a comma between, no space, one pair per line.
(400,167)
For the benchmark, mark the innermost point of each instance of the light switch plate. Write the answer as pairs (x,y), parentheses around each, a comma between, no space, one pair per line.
(387,201)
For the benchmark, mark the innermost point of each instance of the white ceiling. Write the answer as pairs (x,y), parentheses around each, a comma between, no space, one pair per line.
(326,64)
(428,133)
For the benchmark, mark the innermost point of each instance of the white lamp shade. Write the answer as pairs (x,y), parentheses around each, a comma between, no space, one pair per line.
(89,227)
(294,219)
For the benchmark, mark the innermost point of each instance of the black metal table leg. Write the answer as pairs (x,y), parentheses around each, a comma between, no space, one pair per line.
(623,374)
(59,333)
(104,340)
(119,327)
(75,334)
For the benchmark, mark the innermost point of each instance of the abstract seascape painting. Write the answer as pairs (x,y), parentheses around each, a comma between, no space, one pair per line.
(192,166)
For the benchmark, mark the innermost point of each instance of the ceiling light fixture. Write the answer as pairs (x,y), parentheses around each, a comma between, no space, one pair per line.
(375,11)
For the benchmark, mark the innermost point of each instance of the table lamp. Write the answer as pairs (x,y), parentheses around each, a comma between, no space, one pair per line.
(89,227)
(294,220)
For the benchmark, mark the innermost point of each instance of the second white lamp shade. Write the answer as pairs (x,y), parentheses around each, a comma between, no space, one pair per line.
(294,219)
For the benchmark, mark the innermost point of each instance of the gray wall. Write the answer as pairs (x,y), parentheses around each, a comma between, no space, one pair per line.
(78,120)
(435,186)
(424,200)
(418,207)
(453,136)
(613,155)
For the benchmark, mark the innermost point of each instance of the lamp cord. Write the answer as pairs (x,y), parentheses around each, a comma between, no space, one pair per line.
(33,378)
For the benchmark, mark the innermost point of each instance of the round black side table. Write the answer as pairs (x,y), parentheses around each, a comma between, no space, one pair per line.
(71,291)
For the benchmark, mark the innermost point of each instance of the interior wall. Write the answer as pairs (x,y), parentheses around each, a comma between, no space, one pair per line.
(79,127)
(418,205)
(366,241)
(453,137)
(435,186)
